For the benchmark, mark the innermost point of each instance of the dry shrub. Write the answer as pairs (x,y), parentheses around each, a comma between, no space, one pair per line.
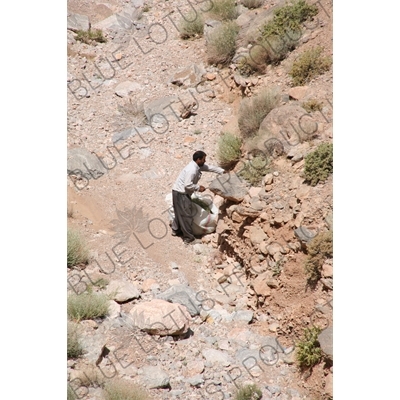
(221,44)
(252,111)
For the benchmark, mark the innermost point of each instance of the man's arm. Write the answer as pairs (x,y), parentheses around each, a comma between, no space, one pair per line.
(212,168)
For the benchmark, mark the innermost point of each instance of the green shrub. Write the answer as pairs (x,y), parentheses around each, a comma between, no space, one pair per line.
(312,105)
(77,252)
(74,348)
(309,352)
(248,392)
(318,165)
(192,25)
(255,169)
(122,389)
(309,65)
(223,10)
(319,249)
(288,19)
(250,4)
(228,152)
(221,44)
(253,110)
(87,306)
(89,37)
(263,53)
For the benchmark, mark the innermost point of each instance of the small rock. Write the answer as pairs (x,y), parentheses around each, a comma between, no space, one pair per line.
(122,291)
(325,339)
(195,380)
(154,377)
(298,92)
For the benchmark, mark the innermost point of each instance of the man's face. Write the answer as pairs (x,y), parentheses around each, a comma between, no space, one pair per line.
(201,161)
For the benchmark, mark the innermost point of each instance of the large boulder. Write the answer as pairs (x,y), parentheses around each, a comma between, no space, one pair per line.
(230,187)
(284,128)
(83,163)
(159,317)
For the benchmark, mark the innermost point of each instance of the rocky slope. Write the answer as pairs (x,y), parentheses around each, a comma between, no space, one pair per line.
(246,302)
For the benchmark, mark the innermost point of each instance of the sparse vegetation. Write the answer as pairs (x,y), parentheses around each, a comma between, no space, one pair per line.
(253,110)
(87,306)
(309,65)
(318,165)
(91,37)
(223,10)
(255,169)
(287,20)
(74,348)
(221,44)
(248,392)
(122,389)
(192,25)
(146,8)
(312,105)
(228,151)
(250,4)
(319,249)
(309,352)
(77,252)
(70,211)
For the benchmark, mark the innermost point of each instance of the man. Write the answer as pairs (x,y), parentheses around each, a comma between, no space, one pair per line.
(184,187)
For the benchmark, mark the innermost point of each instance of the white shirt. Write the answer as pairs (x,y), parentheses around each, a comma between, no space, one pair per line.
(190,175)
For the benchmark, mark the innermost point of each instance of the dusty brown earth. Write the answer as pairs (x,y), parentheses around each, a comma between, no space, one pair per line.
(144,176)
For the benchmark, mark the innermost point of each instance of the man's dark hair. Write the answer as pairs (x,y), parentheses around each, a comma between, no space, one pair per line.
(198,154)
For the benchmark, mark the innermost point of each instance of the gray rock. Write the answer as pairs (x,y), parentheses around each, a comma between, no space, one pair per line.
(154,377)
(283,128)
(81,162)
(161,110)
(196,380)
(325,339)
(184,295)
(243,315)
(217,357)
(229,186)
(122,291)
(77,22)
(189,76)
(304,234)
(125,88)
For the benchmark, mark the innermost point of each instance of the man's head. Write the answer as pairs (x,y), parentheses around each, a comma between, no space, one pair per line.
(199,158)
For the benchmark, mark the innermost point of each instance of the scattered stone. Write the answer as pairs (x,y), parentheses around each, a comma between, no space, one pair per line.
(195,380)
(125,89)
(257,235)
(260,285)
(304,234)
(184,295)
(325,339)
(114,309)
(298,92)
(84,164)
(122,291)
(159,317)
(189,76)
(217,357)
(154,377)
(243,315)
(77,22)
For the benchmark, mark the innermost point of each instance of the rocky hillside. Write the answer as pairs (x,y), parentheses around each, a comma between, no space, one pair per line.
(199,321)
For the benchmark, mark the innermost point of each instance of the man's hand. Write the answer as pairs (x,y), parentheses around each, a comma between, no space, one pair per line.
(202,188)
